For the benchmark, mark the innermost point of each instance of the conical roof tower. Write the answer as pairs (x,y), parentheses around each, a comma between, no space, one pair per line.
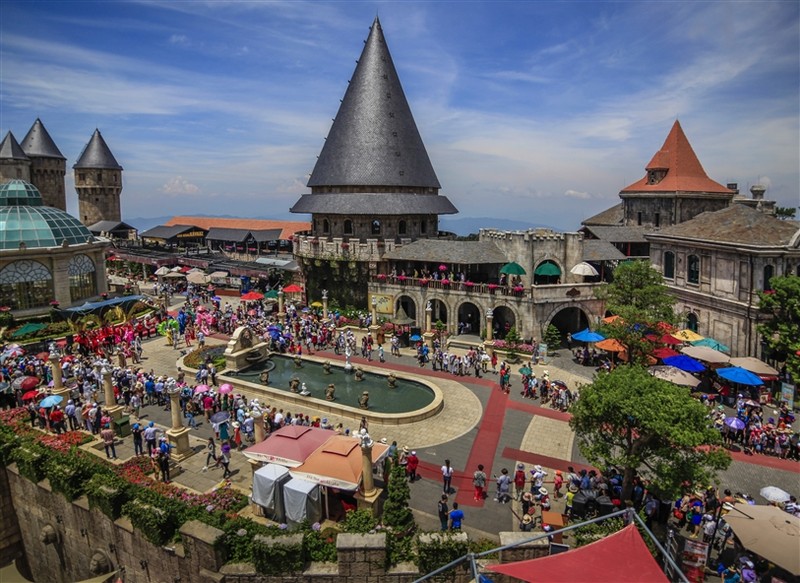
(14,163)
(374,160)
(48,165)
(98,182)
(97,154)
(37,143)
(10,149)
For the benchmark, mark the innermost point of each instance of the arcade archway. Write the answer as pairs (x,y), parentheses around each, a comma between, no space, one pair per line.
(569,320)
(469,319)
(408,305)
(504,320)
(438,312)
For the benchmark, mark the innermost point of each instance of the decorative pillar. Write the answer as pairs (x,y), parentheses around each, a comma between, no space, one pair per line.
(368,494)
(258,424)
(114,410)
(325,306)
(178,435)
(281,313)
(374,327)
(488,344)
(428,335)
(55,367)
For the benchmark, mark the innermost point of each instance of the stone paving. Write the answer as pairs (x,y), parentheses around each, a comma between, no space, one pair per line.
(475,413)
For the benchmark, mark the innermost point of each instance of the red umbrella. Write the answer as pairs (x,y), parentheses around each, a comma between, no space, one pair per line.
(30,395)
(292,289)
(664,353)
(252,296)
(43,355)
(29,383)
(671,340)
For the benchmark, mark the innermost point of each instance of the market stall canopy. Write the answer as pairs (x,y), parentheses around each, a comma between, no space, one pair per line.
(769,532)
(587,335)
(337,463)
(197,277)
(175,275)
(706,354)
(610,344)
(687,335)
(289,446)
(584,269)
(754,365)
(597,561)
(737,374)
(674,375)
(513,268)
(663,353)
(292,289)
(163,270)
(685,363)
(711,343)
(547,268)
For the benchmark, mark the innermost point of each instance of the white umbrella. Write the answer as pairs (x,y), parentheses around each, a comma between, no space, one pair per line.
(164,270)
(706,354)
(197,277)
(674,375)
(584,269)
(754,365)
(774,494)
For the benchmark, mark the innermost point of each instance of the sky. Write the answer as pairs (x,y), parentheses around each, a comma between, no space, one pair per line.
(535,111)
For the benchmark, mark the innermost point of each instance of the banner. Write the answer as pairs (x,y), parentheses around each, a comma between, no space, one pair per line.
(787,394)
(384,303)
(695,554)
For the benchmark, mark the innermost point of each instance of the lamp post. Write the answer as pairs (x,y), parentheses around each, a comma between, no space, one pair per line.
(178,435)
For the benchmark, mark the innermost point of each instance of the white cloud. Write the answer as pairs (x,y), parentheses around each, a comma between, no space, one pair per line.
(576,194)
(179,39)
(179,185)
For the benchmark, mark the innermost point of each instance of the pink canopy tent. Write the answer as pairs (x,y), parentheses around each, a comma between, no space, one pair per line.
(337,463)
(597,561)
(289,446)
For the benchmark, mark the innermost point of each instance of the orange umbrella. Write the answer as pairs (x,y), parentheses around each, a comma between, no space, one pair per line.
(611,319)
(337,463)
(610,345)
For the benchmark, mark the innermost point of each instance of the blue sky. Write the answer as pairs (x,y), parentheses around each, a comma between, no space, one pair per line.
(537,111)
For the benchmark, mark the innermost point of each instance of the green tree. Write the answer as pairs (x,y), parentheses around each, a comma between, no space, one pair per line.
(635,422)
(639,296)
(396,511)
(512,340)
(785,212)
(552,337)
(782,331)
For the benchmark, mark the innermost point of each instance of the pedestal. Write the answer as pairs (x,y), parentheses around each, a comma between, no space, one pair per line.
(373,330)
(428,338)
(55,366)
(260,430)
(114,411)
(369,502)
(179,440)
(175,410)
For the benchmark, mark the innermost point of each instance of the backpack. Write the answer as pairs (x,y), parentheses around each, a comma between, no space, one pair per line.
(585,482)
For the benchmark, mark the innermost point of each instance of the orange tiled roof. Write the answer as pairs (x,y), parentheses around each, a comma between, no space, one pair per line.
(684,171)
(288,228)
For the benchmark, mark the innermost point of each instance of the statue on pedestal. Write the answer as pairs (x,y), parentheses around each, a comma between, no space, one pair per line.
(294,385)
(391,380)
(359,374)
(330,392)
(363,400)
(264,377)
(326,367)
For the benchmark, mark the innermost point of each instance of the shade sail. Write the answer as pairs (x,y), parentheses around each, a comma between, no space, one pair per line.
(547,268)
(769,532)
(513,268)
(674,375)
(289,446)
(706,354)
(610,344)
(737,374)
(754,365)
(597,561)
(685,363)
(588,336)
(337,463)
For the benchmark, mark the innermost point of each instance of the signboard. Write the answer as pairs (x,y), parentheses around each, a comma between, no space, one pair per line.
(787,394)
(695,554)
(384,305)
(542,353)
(192,235)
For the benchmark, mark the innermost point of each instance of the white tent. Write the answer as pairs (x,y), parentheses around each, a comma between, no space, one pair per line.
(302,501)
(268,484)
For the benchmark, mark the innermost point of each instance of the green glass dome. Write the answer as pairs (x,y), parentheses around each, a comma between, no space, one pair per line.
(23,219)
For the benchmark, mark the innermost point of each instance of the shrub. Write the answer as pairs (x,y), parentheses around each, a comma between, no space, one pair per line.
(238,536)
(443,548)
(359,522)
(320,546)
(31,460)
(197,357)
(68,474)
(158,525)
(278,555)
(108,493)
(396,512)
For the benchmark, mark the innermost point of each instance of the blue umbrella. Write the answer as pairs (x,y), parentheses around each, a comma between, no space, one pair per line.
(51,401)
(588,336)
(685,363)
(711,343)
(734,423)
(415,338)
(737,374)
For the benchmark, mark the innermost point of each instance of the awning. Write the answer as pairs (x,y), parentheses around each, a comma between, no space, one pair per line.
(597,561)
(547,268)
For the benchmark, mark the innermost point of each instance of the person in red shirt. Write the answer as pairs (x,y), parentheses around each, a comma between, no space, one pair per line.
(411,466)
(57,420)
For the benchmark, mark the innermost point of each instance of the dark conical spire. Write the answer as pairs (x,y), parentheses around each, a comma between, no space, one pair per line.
(97,154)
(10,149)
(374,140)
(37,143)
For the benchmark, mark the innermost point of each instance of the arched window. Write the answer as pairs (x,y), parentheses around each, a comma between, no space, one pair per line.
(348,227)
(326,226)
(26,284)
(401,228)
(691,321)
(376,227)
(669,265)
(82,281)
(693,269)
(769,273)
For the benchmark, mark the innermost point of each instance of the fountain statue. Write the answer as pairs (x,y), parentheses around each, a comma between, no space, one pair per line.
(294,384)
(347,354)
(304,390)
(330,392)
(359,373)
(326,366)
(264,377)
(363,400)
(391,380)
(298,361)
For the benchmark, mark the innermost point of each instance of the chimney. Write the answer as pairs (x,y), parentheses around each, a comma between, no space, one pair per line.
(758,190)
(733,186)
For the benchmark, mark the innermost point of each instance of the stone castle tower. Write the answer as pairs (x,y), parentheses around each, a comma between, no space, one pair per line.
(98,182)
(14,163)
(48,165)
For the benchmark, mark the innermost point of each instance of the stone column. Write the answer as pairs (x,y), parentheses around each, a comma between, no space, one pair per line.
(428,335)
(178,435)
(281,313)
(114,410)
(374,327)
(325,306)
(258,424)
(58,380)
(368,494)
(488,344)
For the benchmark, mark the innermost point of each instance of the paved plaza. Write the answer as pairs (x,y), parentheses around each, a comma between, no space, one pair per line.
(478,425)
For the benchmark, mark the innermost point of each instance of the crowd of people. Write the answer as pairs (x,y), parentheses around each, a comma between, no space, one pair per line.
(757,433)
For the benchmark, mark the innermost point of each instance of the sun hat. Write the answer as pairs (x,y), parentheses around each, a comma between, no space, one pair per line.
(235,424)
(543,491)
(538,468)
(413,452)
(527,496)
(573,488)
(405,449)
(558,472)
(520,466)
(527,519)
(384,440)
(324,420)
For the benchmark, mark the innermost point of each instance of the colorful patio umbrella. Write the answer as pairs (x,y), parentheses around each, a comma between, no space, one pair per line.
(674,375)
(711,343)
(687,335)
(610,344)
(271,294)
(737,374)
(337,463)
(706,354)
(670,340)
(584,269)
(734,423)
(587,335)
(316,304)
(754,365)
(292,289)
(513,268)
(663,353)
(252,296)
(290,445)
(685,363)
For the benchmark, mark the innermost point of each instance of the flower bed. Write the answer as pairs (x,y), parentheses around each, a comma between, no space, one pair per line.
(197,357)
(521,348)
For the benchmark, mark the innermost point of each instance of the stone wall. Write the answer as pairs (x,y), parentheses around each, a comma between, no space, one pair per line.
(10,535)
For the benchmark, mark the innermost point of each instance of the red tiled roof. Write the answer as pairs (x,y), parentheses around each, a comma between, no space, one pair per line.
(288,228)
(684,171)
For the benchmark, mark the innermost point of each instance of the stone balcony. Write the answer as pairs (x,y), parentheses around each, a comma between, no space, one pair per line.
(349,248)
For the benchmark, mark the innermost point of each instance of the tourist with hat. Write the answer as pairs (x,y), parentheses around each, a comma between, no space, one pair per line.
(503,487)
(571,491)
(544,499)
(526,524)
(558,482)
(412,463)
(527,502)
(138,441)
(537,478)
(402,459)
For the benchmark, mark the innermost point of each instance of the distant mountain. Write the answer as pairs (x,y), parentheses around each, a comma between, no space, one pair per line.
(467,225)
(145,223)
